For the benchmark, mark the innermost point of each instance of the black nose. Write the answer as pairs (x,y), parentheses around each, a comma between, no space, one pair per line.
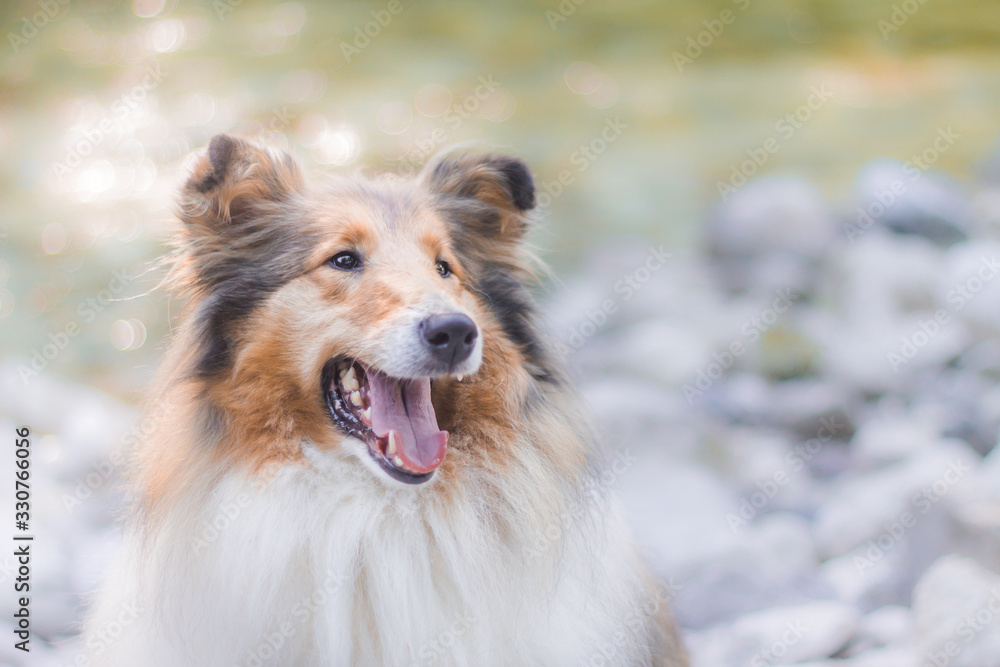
(450,337)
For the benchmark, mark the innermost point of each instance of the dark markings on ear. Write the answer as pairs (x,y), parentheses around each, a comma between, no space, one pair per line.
(230,180)
(512,304)
(250,278)
(243,238)
(484,199)
(471,225)
(522,185)
(497,180)
(220,154)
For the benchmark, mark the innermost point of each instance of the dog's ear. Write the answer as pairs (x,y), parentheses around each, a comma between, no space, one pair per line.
(240,238)
(491,194)
(233,178)
(487,200)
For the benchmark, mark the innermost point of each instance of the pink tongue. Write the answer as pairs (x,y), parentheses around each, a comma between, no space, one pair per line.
(404,406)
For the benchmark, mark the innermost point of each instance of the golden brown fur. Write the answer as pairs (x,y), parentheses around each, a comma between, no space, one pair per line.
(240,385)
(267,398)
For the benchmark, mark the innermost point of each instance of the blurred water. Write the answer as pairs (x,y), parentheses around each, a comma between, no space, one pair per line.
(103,104)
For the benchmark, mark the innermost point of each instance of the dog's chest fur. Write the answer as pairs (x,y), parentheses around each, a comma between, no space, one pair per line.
(322,565)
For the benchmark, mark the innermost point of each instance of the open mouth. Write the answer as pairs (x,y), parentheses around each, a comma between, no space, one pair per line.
(393,416)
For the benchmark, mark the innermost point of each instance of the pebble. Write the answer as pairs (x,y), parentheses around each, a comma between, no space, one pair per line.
(779,635)
(886,627)
(863,507)
(908,201)
(956,607)
(770,234)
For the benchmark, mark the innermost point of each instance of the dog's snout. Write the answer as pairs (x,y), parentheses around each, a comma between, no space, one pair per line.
(450,337)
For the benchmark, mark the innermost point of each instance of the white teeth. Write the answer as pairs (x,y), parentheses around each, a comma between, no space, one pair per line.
(391,448)
(398,461)
(349,379)
(366,414)
(459,377)
(356,398)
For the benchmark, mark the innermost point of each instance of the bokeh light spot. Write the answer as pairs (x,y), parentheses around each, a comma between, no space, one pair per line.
(166,36)
(433,99)
(304,85)
(605,96)
(583,78)
(338,146)
(95,180)
(498,106)
(289,18)
(128,334)
(54,239)
(195,109)
(148,8)
(121,334)
(394,117)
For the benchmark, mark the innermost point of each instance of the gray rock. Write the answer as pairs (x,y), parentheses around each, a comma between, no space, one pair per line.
(779,635)
(653,491)
(861,506)
(889,439)
(869,578)
(889,657)
(883,294)
(767,564)
(888,626)
(960,399)
(639,350)
(909,201)
(771,233)
(956,607)
(970,287)
(977,507)
(638,414)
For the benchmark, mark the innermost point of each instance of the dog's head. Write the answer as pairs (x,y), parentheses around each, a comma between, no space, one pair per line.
(330,310)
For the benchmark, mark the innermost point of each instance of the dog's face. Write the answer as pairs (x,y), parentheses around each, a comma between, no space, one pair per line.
(352,300)
(386,307)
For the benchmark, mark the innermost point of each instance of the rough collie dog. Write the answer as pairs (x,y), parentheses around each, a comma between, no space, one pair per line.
(364,451)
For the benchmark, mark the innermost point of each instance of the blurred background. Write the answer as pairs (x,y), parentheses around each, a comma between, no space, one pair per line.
(774,224)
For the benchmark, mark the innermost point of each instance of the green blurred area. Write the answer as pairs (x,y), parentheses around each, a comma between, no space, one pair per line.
(306,75)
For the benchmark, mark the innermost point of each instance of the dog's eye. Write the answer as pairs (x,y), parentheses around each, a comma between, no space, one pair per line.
(443,268)
(345,261)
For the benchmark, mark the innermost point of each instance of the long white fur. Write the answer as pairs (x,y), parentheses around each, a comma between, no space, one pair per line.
(336,568)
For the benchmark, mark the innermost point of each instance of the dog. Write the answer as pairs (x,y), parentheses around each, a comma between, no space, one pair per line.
(362,447)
